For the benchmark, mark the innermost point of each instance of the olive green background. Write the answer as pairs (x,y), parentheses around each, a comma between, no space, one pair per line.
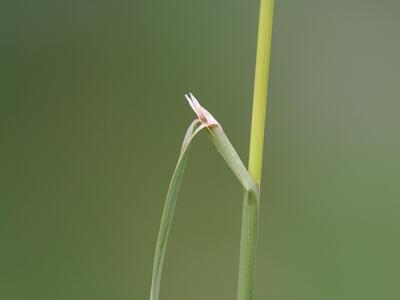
(92,115)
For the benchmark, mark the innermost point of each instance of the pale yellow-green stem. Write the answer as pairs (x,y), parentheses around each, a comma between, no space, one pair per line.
(248,242)
(260,88)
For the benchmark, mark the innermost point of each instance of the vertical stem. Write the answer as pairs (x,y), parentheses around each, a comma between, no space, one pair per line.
(248,243)
(260,88)
(249,233)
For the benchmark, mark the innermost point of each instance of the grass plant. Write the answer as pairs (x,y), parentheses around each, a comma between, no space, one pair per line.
(249,178)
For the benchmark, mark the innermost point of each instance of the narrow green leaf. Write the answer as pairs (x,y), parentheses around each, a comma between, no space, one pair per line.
(225,148)
(249,232)
(227,151)
(169,209)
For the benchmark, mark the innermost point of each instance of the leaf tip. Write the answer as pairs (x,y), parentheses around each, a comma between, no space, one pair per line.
(204,116)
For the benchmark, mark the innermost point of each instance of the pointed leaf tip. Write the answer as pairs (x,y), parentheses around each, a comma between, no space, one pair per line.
(204,116)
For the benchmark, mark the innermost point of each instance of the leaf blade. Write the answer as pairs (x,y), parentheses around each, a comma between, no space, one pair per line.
(169,209)
(225,148)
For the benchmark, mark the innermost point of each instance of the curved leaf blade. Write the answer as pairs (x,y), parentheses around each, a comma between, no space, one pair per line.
(169,209)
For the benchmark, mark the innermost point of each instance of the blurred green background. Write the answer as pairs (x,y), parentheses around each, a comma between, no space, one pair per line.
(92,116)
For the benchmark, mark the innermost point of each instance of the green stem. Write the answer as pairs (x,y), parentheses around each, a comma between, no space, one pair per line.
(260,88)
(251,205)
